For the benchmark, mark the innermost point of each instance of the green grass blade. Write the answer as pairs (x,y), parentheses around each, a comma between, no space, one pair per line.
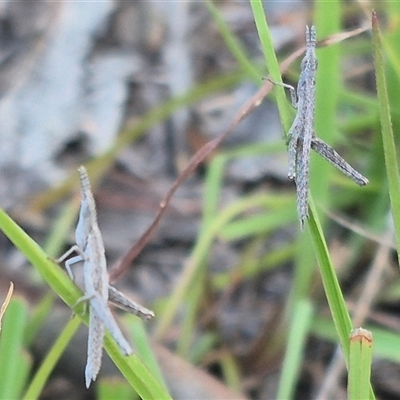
(213,187)
(386,342)
(215,173)
(37,318)
(56,278)
(360,364)
(258,224)
(231,371)
(389,148)
(333,292)
(13,365)
(201,252)
(250,268)
(233,44)
(144,348)
(136,373)
(114,388)
(271,61)
(327,21)
(131,367)
(298,332)
(337,305)
(192,304)
(39,380)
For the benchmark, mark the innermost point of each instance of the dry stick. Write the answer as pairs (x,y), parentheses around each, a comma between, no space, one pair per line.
(357,228)
(6,302)
(122,264)
(90,250)
(339,37)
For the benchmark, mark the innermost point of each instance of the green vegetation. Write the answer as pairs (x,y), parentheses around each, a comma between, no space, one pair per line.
(361,122)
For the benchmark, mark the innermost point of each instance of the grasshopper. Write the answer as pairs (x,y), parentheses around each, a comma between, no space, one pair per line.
(89,248)
(301,135)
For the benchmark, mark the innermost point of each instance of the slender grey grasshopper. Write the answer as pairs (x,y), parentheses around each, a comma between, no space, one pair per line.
(301,135)
(89,248)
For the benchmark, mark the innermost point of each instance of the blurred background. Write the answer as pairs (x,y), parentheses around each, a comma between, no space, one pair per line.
(135,89)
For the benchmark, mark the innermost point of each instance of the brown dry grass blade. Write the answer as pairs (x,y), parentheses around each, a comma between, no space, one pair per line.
(6,302)
(122,264)
(339,37)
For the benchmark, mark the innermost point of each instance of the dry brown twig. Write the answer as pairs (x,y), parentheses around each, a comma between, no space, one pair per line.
(123,263)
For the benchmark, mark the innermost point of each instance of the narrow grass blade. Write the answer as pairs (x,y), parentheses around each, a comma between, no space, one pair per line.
(258,224)
(54,276)
(231,371)
(215,174)
(389,148)
(249,268)
(359,364)
(12,361)
(271,61)
(386,342)
(201,252)
(193,301)
(298,331)
(337,305)
(136,373)
(114,388)
(6,302)
(333,292)
(327,17)
(131,367)
(39,380)
(144,348)
(233,43)
(37,317)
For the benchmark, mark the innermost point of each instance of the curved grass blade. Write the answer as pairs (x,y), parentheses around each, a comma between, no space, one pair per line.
(14,364)
(298,332)
(271,61)
(233,44)
(389,148)
(337,305)
(131,367)
(42,374)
